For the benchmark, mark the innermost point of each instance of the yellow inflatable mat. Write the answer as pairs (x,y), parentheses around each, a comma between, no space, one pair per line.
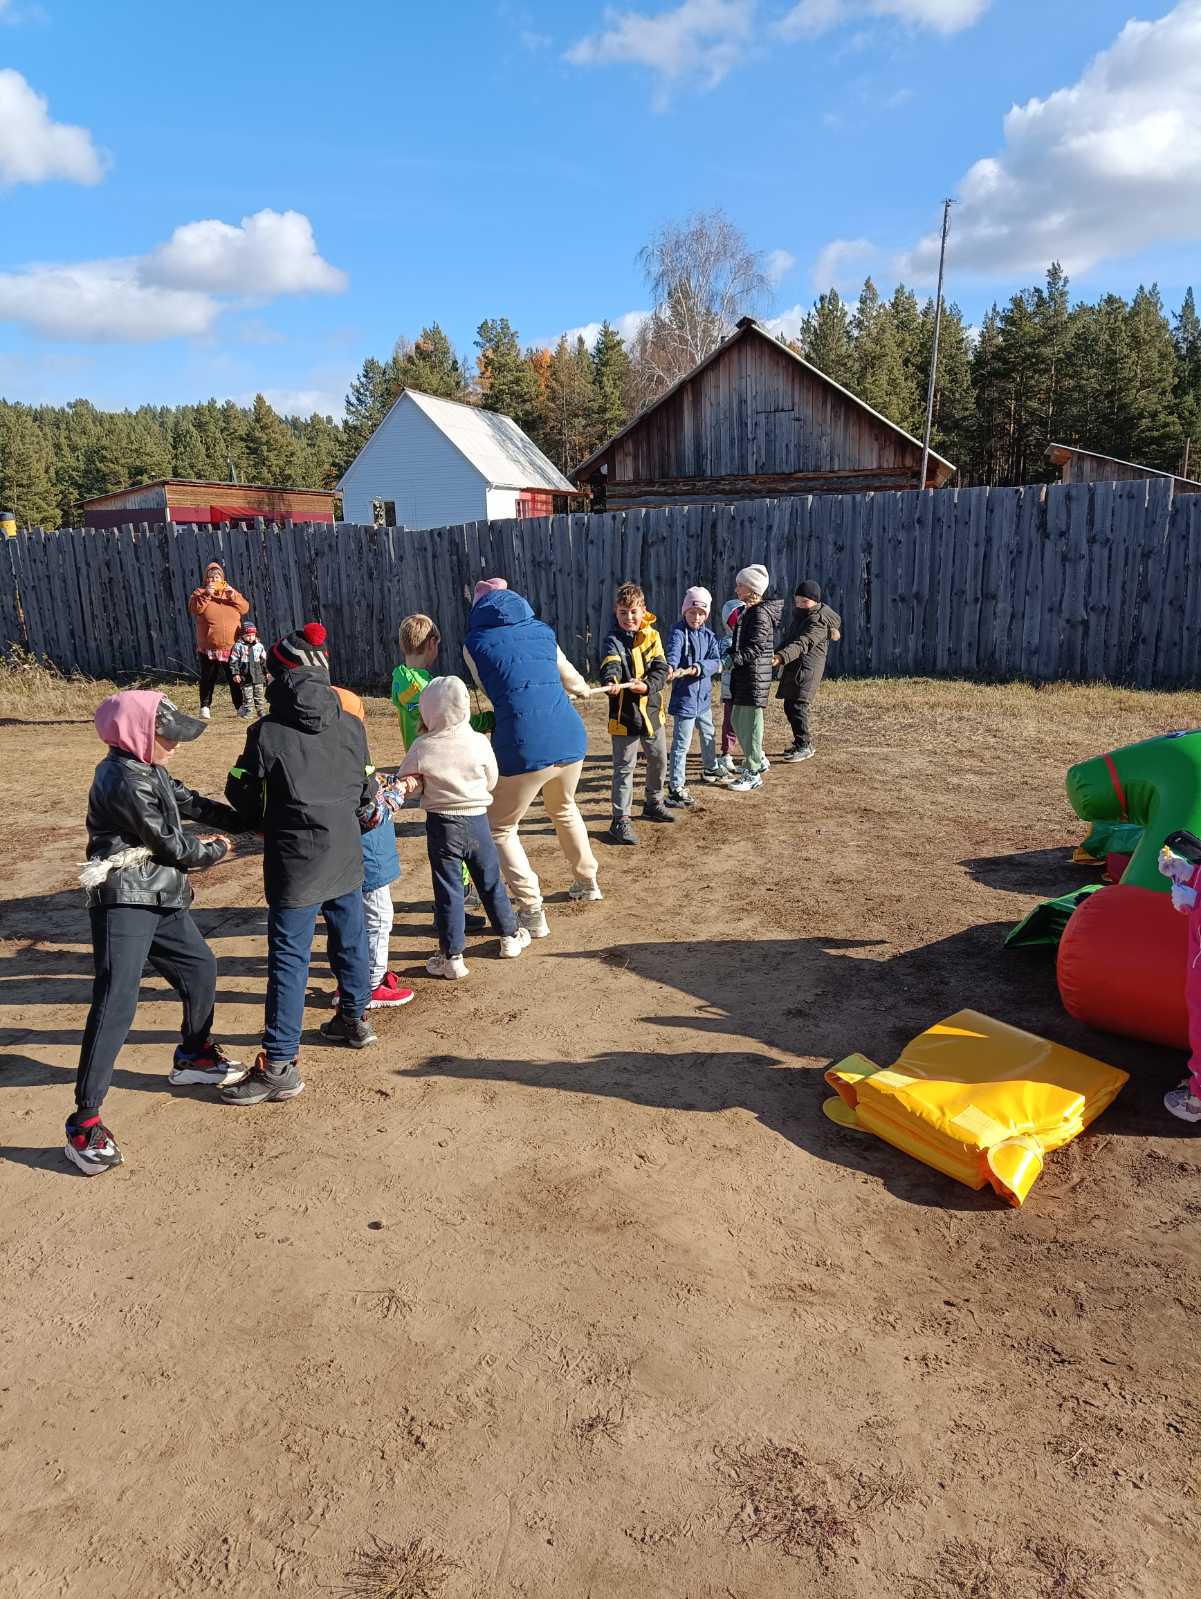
(976,1099)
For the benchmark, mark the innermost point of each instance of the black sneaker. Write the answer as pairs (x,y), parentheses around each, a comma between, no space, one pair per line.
(474,923)
(680,799)
(343,1029)
(798,752)
(717,775)
(620,831)
(93,1149)
(208,1065)
(265,1080)
(652,811)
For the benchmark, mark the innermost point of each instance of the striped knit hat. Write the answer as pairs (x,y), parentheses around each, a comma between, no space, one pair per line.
(304,648)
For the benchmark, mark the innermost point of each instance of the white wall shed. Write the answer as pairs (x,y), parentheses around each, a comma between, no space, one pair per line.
(434,462)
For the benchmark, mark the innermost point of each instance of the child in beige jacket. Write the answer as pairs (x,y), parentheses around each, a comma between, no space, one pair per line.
(454,769)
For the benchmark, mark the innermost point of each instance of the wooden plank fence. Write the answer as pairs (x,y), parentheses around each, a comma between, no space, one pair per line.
(1072,581)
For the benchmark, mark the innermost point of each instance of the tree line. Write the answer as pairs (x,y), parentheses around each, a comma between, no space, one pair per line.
(1122,377)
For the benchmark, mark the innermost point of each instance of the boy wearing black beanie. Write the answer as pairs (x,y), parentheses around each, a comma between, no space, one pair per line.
(802,656)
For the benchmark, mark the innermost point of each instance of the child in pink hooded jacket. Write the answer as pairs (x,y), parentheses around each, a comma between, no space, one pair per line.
(1185,876)
(139,899)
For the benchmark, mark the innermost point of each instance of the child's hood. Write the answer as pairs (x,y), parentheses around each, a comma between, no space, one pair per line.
(444,704)
(126,721)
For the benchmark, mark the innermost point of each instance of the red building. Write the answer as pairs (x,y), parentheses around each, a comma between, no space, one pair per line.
(182,500)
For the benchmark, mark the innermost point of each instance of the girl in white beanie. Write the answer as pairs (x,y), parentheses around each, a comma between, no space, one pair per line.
(751,650)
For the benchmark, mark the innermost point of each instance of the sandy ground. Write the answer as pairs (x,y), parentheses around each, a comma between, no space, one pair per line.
(568,1287)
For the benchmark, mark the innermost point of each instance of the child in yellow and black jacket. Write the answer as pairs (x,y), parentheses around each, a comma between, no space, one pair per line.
(633,672)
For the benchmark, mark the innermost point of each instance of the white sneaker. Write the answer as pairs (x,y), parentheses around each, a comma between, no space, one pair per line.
(205,713)
(1184,1103)
(451,966)
(747,782)
(534,923)
(582,889)
(511,948)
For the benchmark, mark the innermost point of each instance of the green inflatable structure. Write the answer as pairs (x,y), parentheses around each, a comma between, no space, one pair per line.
(1155,784)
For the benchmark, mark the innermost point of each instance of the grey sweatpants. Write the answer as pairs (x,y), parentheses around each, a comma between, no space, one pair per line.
(625,761)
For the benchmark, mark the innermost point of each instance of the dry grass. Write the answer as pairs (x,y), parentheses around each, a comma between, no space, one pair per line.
(605,1424)
(397,1571)
(33,692)
(784,1499)
(1043,1568)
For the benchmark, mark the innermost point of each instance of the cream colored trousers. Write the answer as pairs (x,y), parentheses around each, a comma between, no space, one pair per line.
(511,799)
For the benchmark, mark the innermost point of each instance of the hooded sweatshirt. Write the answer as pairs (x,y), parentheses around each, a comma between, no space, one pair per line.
(138,851)
(304,780)
(218,617)
(455,763)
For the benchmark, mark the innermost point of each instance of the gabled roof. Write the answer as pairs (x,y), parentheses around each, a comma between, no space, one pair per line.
(504,456)
(746,325)
(1058,454)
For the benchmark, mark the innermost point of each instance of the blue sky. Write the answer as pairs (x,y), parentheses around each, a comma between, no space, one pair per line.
(403,162)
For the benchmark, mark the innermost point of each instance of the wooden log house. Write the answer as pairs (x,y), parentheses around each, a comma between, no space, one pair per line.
(754,420)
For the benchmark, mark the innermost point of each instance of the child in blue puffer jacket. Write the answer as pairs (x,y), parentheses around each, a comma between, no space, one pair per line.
(693,660)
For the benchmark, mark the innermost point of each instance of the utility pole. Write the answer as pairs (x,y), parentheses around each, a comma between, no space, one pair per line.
(942,257)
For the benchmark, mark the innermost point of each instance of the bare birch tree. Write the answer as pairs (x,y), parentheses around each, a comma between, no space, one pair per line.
(703,276)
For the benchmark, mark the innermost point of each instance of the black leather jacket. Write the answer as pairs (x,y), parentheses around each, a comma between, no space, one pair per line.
(134,805)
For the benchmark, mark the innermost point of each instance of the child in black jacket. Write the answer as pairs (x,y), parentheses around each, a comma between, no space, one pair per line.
(306,782)
(751,648)
(803,657)
(138,899)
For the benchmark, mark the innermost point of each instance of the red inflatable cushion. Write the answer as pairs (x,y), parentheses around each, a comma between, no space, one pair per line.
(1121,965)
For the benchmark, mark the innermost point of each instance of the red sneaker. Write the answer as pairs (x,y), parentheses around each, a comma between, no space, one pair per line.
(390,992)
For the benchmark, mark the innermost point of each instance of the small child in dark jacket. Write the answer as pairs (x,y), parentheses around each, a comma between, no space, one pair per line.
(248,668)
(693,661)
(633,672)
(802,656)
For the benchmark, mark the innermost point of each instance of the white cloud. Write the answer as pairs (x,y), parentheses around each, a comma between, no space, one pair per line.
(33,149)
(812,17)
(101,301)
(302,402)
(534,41)
(897,99)
(788,322)
(627,324)
(843,264)
(1105,167)
(270,253)
(697,38)
(168,294)
(777,264)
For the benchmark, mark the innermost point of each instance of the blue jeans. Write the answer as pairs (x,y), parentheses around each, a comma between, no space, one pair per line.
(290,932)
(453,842)
(681,742)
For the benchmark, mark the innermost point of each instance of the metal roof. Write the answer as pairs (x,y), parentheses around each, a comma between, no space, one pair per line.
(1115,460)
(503,455)
(202,483)
(748,324)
